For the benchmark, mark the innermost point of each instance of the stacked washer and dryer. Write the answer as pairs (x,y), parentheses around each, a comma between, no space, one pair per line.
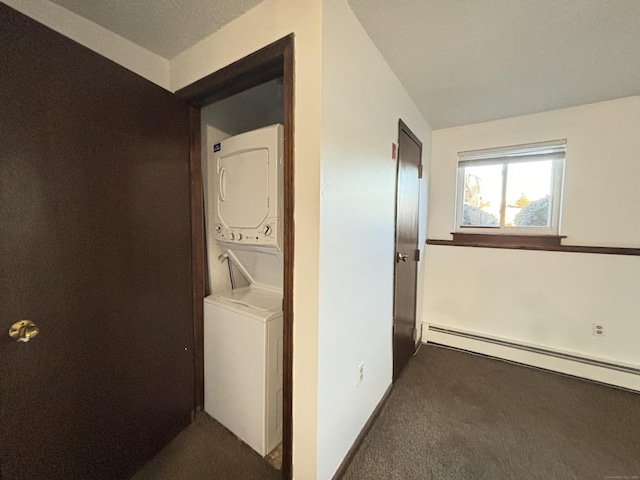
(243,326)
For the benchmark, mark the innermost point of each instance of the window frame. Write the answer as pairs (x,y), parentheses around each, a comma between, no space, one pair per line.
(554,150)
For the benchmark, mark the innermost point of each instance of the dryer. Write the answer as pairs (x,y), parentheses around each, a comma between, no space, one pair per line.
(245,174)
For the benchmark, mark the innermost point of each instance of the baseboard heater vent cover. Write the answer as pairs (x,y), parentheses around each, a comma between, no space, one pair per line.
(538,350)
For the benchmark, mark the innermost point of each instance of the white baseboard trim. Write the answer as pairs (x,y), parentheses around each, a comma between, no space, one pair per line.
(599,370)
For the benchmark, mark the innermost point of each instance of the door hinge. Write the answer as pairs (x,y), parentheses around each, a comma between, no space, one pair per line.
(420,171)
(418,255)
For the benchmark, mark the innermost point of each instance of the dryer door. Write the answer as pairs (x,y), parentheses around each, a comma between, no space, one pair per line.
(243,188)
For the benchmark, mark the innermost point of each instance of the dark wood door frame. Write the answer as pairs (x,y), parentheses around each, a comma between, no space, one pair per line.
(273,61)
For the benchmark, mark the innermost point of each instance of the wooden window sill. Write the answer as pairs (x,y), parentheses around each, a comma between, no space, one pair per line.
(506,240)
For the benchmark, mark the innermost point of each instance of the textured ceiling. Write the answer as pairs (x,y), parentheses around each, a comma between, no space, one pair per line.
(165,27)
(462,61)
(468,61)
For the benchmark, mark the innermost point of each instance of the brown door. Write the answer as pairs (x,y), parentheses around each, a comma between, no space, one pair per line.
(406,271)
(95,250)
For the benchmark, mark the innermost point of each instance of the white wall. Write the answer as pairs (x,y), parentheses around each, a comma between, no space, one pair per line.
(147,64)
(548,299)
(362,101)
(264,24)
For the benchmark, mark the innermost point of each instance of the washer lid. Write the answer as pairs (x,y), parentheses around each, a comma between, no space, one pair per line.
(263,299)
(258,303)
(263,266)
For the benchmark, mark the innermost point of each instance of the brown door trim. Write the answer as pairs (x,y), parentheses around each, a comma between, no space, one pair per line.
(402,127)
(271,62)
(198,258)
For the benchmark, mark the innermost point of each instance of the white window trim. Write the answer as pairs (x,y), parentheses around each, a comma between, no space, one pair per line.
(553,150)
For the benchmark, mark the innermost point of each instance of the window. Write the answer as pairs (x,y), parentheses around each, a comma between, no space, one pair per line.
(511,190)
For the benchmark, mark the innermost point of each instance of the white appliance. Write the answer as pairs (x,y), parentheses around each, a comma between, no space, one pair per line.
(245,179)
(243,365)
(243,327)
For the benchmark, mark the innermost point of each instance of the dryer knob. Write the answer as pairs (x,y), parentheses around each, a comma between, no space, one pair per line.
(233,236)
(267,230)
(218,228)
(239,236)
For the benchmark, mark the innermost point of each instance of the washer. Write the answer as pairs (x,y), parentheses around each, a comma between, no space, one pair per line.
(243,364)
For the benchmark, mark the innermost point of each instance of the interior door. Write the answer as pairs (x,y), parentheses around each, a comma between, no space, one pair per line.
(406,270)
(95,250)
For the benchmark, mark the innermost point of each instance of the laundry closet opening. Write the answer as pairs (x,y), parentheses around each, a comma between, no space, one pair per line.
(247,95)
(242,166)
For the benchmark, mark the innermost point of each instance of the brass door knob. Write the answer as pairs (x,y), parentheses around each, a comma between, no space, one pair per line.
(23,331)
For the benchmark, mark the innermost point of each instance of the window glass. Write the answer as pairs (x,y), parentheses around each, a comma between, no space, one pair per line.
(482,196)
(528,193)
(511,189)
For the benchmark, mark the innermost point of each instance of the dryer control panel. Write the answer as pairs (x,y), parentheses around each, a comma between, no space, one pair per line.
(245,188)
(263,236)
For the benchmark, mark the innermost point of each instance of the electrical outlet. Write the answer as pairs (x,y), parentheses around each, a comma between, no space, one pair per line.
(360,374)
(598,330)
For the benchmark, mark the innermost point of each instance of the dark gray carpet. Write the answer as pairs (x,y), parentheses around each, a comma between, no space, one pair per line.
(207,450)
(453,415)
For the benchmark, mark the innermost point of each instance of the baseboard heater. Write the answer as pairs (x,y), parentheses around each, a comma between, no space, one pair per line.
(538,350)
